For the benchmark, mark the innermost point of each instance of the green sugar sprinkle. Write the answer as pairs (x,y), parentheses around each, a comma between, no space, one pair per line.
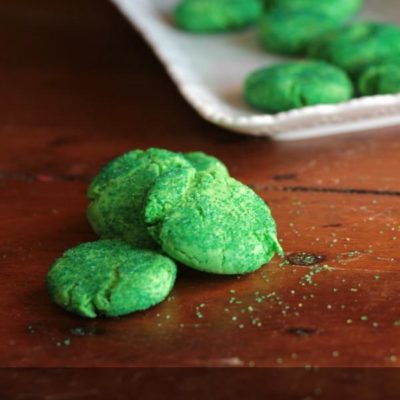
(65,342)
(308,279)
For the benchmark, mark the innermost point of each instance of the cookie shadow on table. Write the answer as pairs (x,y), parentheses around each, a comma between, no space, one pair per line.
(198,281)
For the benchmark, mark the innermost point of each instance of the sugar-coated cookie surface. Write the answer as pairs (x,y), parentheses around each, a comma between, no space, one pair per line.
(110,278)
(381,78)
(358,45)
(216,15)
(206,163)
(290,32)
(287,86)
(118,192)
(211,222)
(337,9)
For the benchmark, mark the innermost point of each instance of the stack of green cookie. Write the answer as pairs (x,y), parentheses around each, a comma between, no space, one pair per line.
(152,208)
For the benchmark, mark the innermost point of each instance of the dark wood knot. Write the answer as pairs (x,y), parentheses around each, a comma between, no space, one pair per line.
(303,258)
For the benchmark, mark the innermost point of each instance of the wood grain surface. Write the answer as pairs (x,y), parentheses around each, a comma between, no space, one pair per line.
(79,87)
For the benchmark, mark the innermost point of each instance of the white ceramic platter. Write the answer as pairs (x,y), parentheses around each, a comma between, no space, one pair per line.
(209,71)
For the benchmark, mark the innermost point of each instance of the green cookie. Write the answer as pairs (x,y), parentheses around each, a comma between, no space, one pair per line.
(211,222)
(382,78)
(206,163)
(118,193)
(290,32)
(283,87)
(216,15)
(358,46)
(110,278)
(340,10)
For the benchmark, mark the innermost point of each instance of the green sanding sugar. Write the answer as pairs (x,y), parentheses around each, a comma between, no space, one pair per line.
(110,278)
(118,193)
(184,203)
(211,222)
(308,278)
(65,343)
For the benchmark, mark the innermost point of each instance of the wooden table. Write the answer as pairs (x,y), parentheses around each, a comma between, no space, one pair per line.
(79,87)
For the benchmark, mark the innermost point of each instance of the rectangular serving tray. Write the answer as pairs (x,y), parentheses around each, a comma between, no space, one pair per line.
(209,71)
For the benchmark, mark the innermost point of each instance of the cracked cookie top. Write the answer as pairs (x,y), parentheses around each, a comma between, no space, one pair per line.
(291,85)
(358,45)
(211,222)
(110,278)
